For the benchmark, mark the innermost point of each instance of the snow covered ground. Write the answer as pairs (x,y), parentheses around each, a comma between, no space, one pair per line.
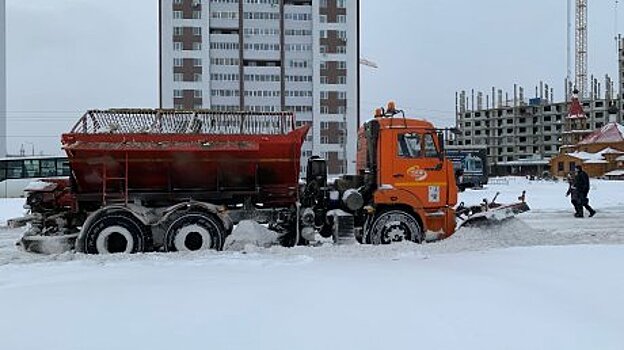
(543,281)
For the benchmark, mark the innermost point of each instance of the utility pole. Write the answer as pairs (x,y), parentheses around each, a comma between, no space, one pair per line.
(3,109)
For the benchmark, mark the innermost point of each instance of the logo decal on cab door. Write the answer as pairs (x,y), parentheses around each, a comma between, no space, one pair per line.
(417,173)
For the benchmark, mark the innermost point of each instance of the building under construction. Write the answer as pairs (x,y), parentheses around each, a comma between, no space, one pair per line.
(522,133)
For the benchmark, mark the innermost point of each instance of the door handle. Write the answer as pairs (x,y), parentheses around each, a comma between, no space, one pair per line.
(398,176)
(438,167)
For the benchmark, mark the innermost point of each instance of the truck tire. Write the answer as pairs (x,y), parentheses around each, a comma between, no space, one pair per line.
(394,226)
(116,232)
(189,231)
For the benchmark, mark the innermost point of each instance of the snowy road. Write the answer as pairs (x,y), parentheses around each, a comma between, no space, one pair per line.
(522,298)
(544,281)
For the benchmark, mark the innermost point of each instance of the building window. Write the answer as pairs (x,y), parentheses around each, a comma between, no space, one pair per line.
(178,94)
(177,14)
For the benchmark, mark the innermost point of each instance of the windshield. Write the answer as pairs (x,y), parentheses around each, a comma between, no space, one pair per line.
(473,164)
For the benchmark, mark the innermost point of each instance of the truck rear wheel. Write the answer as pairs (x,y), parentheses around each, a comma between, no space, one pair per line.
(395,226)
(194,231)
(114,233)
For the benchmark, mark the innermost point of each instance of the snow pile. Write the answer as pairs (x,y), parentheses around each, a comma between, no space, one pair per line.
(248,235)
(615,173)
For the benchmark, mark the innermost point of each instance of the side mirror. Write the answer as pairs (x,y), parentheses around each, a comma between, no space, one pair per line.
(441,143)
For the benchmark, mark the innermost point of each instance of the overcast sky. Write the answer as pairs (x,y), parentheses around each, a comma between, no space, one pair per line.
(67,56)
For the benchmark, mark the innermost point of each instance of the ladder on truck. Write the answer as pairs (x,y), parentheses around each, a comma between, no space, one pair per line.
(115,197)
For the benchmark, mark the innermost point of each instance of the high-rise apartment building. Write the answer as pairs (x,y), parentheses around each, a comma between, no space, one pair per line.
(3,114)
(268,55)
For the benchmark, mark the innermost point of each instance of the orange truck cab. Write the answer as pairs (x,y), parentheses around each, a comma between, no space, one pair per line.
(410,180)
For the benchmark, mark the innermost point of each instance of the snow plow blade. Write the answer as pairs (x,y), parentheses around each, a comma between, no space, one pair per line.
(490,213)
(48,245)
(19,222)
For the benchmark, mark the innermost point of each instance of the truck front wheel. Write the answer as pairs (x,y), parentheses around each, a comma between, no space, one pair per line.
(113,233)
(395,226)
(194,231)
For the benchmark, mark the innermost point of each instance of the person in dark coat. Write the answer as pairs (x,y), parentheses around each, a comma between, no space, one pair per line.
(581,182)
(573,193)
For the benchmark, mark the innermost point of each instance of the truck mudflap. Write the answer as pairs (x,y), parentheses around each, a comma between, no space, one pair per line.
(489,213)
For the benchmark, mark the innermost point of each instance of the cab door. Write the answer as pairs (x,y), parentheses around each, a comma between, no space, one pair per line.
(418,167)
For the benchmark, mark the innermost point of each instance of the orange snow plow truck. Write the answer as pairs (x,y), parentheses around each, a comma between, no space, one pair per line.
(165,180)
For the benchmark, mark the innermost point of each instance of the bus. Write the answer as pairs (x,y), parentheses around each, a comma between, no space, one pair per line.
(17,172)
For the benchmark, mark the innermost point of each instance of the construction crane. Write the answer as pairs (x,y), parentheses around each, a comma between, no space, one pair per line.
(581,81)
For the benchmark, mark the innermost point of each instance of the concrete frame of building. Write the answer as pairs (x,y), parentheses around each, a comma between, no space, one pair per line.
(521,139)
(268,55)
(522,136)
